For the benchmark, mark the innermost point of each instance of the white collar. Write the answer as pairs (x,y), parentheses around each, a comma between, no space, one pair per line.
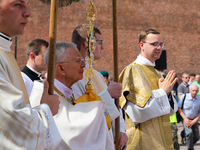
(5,37)
(5,44)
(62,88)
(143,61)
(39,74)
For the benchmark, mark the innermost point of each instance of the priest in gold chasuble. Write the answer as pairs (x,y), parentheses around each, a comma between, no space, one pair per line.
(146,97)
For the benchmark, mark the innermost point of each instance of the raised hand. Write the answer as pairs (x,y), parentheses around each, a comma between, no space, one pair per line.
(51,100)
(167,83)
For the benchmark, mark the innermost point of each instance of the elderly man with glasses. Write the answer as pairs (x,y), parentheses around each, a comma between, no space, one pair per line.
(189,108)
(106,93)
(81,122)
(146,97)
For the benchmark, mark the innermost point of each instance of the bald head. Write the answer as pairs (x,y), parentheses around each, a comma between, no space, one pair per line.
(197,78)
(193,89)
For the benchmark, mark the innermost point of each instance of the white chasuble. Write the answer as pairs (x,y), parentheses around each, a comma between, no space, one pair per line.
(82,126)
(21,127)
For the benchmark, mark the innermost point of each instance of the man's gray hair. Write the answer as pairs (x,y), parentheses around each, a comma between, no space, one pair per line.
(192,85)
(60,51)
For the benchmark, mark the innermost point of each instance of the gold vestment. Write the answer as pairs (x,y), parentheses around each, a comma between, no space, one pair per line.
(155,134)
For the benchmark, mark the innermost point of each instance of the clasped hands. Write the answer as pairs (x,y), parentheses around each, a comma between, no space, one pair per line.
(168,83)
(188,122)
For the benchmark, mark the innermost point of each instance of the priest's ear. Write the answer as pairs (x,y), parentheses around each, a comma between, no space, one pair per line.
(32,56)
(60,68)
(141,45)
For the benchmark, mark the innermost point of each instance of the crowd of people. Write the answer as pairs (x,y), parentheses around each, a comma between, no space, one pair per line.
(77,118)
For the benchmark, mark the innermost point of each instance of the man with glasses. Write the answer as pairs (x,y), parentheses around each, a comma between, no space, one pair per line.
(106,93)
(183,88)
(82,124)
(146,97)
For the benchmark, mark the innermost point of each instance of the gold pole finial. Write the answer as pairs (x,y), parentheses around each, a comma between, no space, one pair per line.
(91,45)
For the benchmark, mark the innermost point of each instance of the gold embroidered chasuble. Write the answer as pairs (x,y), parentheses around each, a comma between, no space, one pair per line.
(138,81)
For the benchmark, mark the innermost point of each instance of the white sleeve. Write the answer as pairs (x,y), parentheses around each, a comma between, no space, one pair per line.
(28,83)
(122,123)
(23,126)
(157,105)
(112,110)
(53,137)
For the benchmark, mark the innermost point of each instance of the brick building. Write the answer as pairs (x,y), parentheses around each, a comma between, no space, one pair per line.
(177,20)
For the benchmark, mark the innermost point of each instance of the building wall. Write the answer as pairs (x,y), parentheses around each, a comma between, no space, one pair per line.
(178,22)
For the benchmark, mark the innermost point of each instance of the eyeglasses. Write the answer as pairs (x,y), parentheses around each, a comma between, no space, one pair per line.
(156,44)
(79,60)
(100,42)
(187,77)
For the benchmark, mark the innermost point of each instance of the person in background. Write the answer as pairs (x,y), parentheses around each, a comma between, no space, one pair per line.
(197,82)
(35,62)
(106,77)
(184,86)
(192,78)
(190,114)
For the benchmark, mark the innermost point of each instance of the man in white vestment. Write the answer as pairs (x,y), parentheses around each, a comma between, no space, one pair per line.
(81,122)
(146,97)
(106,93)
(35,63)
(22,127)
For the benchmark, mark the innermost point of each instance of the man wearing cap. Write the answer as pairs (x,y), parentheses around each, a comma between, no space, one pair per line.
(106,77)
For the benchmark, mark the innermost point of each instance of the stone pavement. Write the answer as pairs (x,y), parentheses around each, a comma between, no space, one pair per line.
(183,146)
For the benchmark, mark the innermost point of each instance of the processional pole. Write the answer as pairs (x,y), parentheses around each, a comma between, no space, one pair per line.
(52,44)
(115,58)
(52,37)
